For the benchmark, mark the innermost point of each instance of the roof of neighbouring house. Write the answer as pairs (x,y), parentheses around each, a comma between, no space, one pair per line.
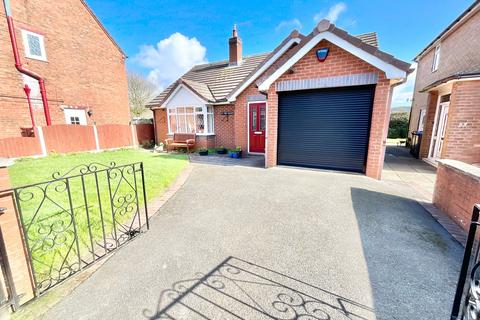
(218,81)
(370,38)
(450,27)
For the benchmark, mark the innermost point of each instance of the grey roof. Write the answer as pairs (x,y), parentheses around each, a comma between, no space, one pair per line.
(216,81)
(369,38)
(213,81)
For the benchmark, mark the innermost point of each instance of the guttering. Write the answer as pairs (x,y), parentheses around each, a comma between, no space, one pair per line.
(19,66)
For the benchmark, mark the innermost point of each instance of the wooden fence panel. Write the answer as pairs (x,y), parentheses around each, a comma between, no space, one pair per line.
(114,136)
(16,147)
(144,133)
(66,138)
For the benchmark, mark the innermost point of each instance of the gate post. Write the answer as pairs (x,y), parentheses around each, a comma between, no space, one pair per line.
(13,238)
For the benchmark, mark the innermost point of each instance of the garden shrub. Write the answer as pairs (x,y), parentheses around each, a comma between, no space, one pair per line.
(398,127)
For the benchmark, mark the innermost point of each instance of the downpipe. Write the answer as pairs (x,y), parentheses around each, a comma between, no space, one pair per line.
(19,66)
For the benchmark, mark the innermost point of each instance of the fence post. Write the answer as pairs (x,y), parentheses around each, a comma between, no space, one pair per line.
(95,134)
(41,137)
(134,135)
(15,249)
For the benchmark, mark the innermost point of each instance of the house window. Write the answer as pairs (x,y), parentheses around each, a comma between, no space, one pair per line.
(197,120)
(436,58)
(75,116)
(34,45)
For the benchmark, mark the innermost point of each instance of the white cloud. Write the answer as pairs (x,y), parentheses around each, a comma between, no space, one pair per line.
(333,13)
(402,95)
(170,58)
(293,24)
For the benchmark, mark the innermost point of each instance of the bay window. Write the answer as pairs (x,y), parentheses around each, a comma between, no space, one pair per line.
(197,120)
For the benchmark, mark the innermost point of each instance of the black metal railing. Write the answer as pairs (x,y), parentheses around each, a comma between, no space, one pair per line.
(466,304)
(80,216)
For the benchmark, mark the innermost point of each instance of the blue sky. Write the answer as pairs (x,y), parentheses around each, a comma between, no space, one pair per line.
(163,39)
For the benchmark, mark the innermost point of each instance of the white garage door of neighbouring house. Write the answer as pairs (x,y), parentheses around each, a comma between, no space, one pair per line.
(75,116)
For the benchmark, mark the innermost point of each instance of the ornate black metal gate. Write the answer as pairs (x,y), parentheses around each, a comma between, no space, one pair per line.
(467,297)
(79,217)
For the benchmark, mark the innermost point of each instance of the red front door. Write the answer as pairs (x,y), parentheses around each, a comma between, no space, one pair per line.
(257,125)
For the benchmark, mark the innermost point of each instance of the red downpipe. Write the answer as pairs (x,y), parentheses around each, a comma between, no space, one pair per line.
(21,69)
(30,109)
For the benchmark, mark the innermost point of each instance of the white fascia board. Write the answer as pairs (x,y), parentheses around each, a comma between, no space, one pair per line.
(178,88)
(391,71)
(264,67)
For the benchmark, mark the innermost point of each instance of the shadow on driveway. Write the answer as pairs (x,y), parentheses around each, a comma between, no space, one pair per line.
(238,289)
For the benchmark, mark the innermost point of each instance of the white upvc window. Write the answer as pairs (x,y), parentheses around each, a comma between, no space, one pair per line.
(75,116)
(436,58)
(197,120)
(34,45)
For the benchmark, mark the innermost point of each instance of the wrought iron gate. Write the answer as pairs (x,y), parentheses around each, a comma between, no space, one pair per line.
(467,297)
(79,217)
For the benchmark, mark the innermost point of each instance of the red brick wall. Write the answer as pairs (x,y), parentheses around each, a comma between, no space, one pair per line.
(161,126)
(225,126)
(459,52)
(456,193)
(84,67)
(429,122)
(462,140)
(14,245)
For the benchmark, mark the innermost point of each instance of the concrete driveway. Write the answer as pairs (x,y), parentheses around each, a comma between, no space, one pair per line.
(248,243)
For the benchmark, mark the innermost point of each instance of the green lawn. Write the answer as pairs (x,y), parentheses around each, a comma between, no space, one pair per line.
(46,208)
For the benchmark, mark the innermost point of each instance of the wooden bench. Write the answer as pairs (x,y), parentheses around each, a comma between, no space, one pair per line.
(181,140)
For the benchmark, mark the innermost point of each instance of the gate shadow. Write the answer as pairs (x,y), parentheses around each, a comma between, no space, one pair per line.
(238,289)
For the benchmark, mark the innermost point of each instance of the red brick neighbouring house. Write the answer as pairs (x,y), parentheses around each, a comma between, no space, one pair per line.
(447,90)
(320,100)
(66,45)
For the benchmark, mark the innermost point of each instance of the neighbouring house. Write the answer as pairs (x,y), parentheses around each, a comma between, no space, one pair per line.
(447,90)
(73,68)
(320,100)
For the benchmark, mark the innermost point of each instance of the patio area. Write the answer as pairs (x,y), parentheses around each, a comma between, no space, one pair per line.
(257,161)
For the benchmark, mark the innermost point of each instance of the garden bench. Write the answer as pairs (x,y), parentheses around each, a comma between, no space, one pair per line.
(181,140)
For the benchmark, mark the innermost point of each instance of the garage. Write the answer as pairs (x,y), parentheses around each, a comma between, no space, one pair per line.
(325,128)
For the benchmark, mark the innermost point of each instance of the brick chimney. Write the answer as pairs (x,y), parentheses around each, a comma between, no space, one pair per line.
(235,48)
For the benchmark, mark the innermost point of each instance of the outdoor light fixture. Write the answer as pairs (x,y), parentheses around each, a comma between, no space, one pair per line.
(90,113)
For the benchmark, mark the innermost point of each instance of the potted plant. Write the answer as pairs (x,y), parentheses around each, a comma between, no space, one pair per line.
(235,153)
(221,150)
(203,151)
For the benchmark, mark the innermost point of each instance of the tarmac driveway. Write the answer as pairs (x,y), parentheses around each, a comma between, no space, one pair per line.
(248,243)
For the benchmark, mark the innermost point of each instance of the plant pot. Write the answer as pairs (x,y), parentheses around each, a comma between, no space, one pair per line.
(203,153)
(221,151)
(235,154)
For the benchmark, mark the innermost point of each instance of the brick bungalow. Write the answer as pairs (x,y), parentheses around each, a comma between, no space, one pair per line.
(319,101)
(81,66)
(447,90)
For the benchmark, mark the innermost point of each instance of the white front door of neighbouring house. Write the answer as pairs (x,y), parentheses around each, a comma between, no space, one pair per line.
(439,129)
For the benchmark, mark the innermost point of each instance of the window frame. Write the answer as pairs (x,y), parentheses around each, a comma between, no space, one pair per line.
(26,45)
(205,112)
(436,57)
